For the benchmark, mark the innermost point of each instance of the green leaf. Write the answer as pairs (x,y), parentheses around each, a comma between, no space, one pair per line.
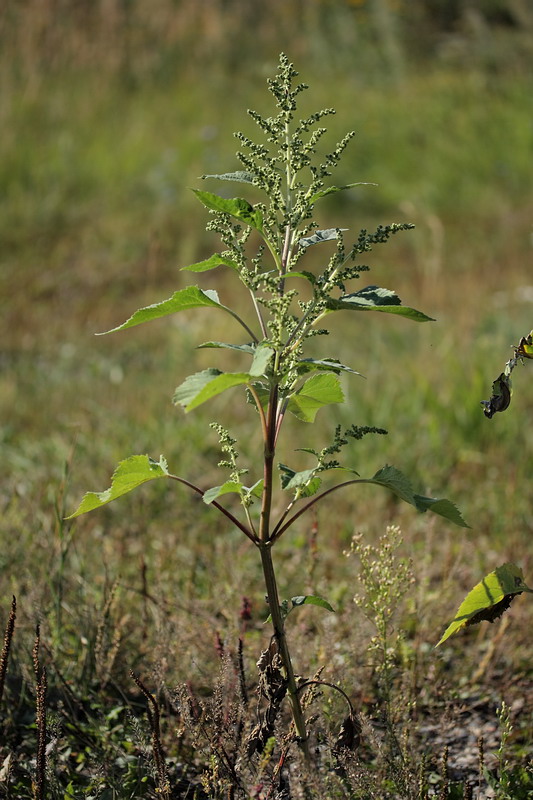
(230,487)
(318,391)
(236,207)
(489,599)
(305,480)
(202,386)
(241,176)
(233,487)
(396,481)
(324,364)
(212,262)
(301,274)
(182,300)
(375,298)
(325,235)
(444,508)
(312,600)
(400,485)
(301,600)
(245,348)
(262,356)
(333,189)
(129,474)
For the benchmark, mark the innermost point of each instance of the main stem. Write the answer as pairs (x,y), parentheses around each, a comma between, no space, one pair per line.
(265,548)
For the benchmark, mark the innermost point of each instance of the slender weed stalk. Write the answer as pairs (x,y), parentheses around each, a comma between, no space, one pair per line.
(41,687)
(154,717)
(8,638)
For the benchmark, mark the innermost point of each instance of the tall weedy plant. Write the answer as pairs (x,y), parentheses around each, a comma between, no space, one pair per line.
(263,247)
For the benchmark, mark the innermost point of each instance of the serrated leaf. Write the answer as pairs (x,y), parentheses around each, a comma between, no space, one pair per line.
(489,599)
(202,386)
(318,391)
(212,262)
(236,207)
(324,364)
(325,235)
(400,485)
(396,481)
(129,474)
(444,508)
(333,189)
(182,300)
(375,298)
(241,176)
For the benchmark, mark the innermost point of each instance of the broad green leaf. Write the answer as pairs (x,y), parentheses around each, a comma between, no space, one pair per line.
(233,487)
(182,300)
(333,189)
(202,386)
(212,262)
(305,480)
(400,485)
(489,599)
(301,600)
(311,599)
(318,391)
(324,364)
(129,474)
(263,393)
(375,298)
(261,360)
(241,176)
(230,487)
(325,235)
(236,207)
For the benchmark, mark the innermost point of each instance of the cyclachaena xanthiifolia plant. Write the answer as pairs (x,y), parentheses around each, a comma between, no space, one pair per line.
(264,246)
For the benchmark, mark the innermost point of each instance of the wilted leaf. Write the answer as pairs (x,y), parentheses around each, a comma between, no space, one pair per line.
(525,347)
(489,599)
(500,398)
(129,474)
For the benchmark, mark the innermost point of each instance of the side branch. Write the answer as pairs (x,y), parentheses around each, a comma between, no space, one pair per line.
(238,524)
(281,528)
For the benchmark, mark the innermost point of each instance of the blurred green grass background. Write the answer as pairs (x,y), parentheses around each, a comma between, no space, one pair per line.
(109,112)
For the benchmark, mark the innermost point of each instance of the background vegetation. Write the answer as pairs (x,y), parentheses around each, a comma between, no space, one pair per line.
(109,111)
